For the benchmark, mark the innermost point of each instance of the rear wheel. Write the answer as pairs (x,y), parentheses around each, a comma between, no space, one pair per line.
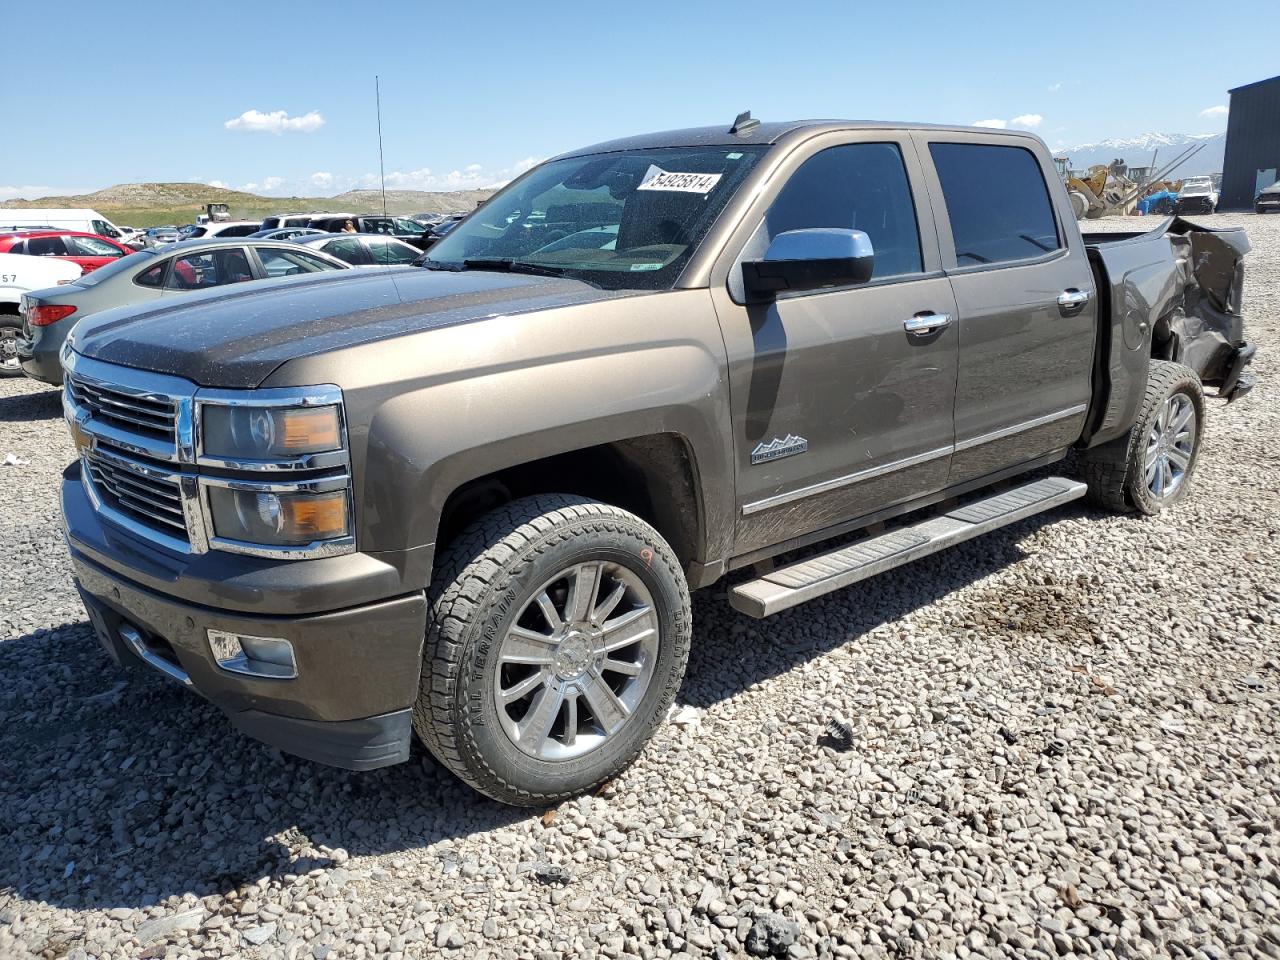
(10,328)
(558,636)
(1151,466)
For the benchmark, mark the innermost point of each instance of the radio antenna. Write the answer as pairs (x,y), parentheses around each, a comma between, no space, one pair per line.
(382,170)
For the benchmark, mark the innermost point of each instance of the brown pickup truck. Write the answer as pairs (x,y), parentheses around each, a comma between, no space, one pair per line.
(469,499)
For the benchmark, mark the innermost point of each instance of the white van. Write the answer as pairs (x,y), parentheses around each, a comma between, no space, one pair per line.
(86,220)
(20,274)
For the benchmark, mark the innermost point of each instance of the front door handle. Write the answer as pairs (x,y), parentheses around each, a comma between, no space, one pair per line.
(1071,301)
(923,324)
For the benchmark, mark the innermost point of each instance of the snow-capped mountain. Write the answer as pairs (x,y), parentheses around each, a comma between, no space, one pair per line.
(1137,152)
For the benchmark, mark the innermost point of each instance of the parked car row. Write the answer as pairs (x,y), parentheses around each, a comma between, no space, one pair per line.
(98,270)
(48,315)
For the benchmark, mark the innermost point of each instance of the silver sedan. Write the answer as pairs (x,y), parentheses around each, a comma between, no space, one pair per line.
(364,249)
(49,315)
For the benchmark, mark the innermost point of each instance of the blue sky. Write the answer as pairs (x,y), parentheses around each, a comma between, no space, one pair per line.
(281,97)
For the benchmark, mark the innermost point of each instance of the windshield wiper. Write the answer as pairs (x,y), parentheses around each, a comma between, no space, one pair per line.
(509,265)
(427,263)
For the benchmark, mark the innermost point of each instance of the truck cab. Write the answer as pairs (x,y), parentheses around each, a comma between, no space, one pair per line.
(467,502)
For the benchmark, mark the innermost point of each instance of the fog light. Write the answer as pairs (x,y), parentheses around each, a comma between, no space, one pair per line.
(254,656)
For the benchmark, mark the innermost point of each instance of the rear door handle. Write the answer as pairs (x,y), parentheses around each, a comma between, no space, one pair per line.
(923,324)
(1071,301)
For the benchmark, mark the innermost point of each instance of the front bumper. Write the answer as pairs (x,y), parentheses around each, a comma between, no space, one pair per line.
(357,668)
(1194,205)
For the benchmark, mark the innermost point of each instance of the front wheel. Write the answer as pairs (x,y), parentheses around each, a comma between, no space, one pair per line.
(1150,467)
(558,636)
(10,329)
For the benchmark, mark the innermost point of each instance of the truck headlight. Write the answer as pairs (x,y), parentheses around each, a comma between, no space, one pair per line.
(279,518)
(270,433)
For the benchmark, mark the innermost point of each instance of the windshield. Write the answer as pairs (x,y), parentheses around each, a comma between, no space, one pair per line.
(627,220)
(123,265)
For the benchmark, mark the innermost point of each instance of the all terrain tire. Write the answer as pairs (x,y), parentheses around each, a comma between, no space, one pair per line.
(557,637)
(1151,467)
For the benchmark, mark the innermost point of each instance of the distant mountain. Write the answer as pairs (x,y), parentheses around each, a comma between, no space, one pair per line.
(1137,152)
(411,201)
(152,204)
(142,195)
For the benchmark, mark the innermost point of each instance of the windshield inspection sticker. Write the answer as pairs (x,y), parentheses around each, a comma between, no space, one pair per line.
(656,178)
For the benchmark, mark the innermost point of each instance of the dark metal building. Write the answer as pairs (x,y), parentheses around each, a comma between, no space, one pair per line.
(1252,158)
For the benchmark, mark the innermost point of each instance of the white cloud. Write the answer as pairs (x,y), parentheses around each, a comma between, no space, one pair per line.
(1026,121)
(270,183)
(473,176)
(1217,111)
(217,183)
(1055,87)
(321,178)
(277,122)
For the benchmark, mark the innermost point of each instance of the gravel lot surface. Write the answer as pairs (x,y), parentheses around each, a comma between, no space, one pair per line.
(1061,739)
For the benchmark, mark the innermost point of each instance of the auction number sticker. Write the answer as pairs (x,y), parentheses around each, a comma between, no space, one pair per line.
(656,178)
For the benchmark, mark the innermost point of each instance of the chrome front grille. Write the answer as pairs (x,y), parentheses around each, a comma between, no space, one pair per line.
(137,434)
(139,491)
(154,415)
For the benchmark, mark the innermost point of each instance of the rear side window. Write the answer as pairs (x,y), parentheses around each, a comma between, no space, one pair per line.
(997,202)
(46,247)
(857,186)
(212,268)
(152,277)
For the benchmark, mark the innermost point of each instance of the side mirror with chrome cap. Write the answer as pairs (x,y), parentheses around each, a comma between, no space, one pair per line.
(810,259)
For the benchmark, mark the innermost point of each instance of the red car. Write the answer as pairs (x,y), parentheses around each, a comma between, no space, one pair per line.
(89,250)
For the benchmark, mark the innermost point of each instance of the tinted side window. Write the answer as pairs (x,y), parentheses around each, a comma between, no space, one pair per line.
(858,186)
(288,263)
(393,252)
(46,247)
(212,268)
(346,248)
(997,202)
(152,277)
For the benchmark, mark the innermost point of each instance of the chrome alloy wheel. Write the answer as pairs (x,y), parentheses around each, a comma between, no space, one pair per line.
(1170,446)
(9,349)
(576,661)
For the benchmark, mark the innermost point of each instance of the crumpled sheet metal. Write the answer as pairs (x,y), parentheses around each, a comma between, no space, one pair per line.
(1210,326)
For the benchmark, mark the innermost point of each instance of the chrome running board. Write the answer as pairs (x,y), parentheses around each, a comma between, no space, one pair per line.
(790,586)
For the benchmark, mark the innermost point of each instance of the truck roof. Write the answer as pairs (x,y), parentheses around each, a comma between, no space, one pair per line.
(770,132)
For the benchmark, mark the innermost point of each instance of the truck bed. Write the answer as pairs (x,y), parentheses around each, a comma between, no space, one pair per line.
(1179,285)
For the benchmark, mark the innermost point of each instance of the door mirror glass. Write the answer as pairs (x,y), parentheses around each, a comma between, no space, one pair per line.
(810,259)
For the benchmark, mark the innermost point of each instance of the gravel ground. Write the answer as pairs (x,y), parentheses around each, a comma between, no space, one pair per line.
(1061,739)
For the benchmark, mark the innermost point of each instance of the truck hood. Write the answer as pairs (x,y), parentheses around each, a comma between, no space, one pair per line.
(236,337)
